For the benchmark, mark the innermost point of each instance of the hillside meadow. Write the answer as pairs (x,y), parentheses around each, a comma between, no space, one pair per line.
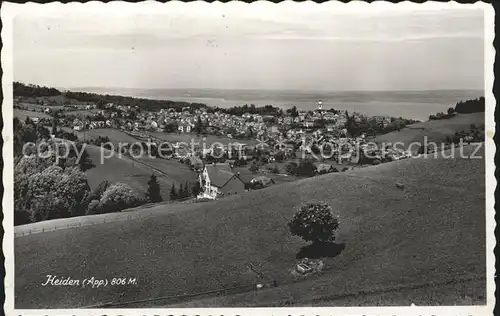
(435,130)
(136,173)
(432,233)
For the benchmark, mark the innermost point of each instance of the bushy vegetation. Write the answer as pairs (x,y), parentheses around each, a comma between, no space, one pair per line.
(442,116)
(43,190)
(108,198)
(363,125)
(50,181)
(305,168)
(27,132)
(473,135)
(117,197)
(254,167)
(314,222)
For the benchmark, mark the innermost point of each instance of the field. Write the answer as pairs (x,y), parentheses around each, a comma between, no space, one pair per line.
(82,112)
(58,100)
(431,235)
(22,114)
(135,173)
(436,130)
(115,136)
(34,106)
(209,139)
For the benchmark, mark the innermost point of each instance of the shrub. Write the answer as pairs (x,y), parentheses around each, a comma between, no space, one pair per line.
(280,156)
(291,168)
(254,168)
(48,206)
(274,169)
(117,197)
(376,162)
(314,222)
(94,207)
(306,168)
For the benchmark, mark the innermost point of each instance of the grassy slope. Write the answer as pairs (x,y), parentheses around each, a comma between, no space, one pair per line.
(135,174)
(432,231)
(22,114)
(208,141)
(436,130)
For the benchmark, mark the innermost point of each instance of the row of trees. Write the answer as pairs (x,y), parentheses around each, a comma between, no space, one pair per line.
(24,90)
(471,106)
(304,168)
(142,103)
(185,190)
(442,116)
(468,106)
(252,109)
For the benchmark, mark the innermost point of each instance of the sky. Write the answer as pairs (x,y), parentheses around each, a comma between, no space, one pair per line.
(306,48)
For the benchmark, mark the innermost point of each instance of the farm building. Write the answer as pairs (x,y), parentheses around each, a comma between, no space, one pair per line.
(322,168)
(218,180)
(261,182)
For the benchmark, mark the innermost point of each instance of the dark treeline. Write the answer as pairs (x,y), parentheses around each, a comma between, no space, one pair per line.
(252,109)
(143,104)
(471,106)
(23,90)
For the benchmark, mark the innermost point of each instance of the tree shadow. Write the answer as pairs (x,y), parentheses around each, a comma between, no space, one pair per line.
(318,250)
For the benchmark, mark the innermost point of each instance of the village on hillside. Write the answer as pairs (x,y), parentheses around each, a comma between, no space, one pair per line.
(257,158)
(253,147)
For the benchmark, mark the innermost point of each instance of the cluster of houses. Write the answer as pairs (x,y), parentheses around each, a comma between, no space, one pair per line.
(292,133)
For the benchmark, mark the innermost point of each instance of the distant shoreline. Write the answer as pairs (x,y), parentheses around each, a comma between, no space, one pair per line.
(417,104)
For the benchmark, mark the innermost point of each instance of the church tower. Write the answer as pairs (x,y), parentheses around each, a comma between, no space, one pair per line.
(320,105)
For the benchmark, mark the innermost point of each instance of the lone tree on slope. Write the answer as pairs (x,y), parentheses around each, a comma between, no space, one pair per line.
(154,190)
(314,222)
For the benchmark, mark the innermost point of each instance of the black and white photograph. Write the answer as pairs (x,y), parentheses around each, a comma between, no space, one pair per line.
(189,157)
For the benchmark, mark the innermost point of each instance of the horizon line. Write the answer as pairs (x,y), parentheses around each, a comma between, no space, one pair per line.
(272,89)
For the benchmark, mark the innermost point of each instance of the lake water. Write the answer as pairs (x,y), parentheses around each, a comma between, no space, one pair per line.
(409,104)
